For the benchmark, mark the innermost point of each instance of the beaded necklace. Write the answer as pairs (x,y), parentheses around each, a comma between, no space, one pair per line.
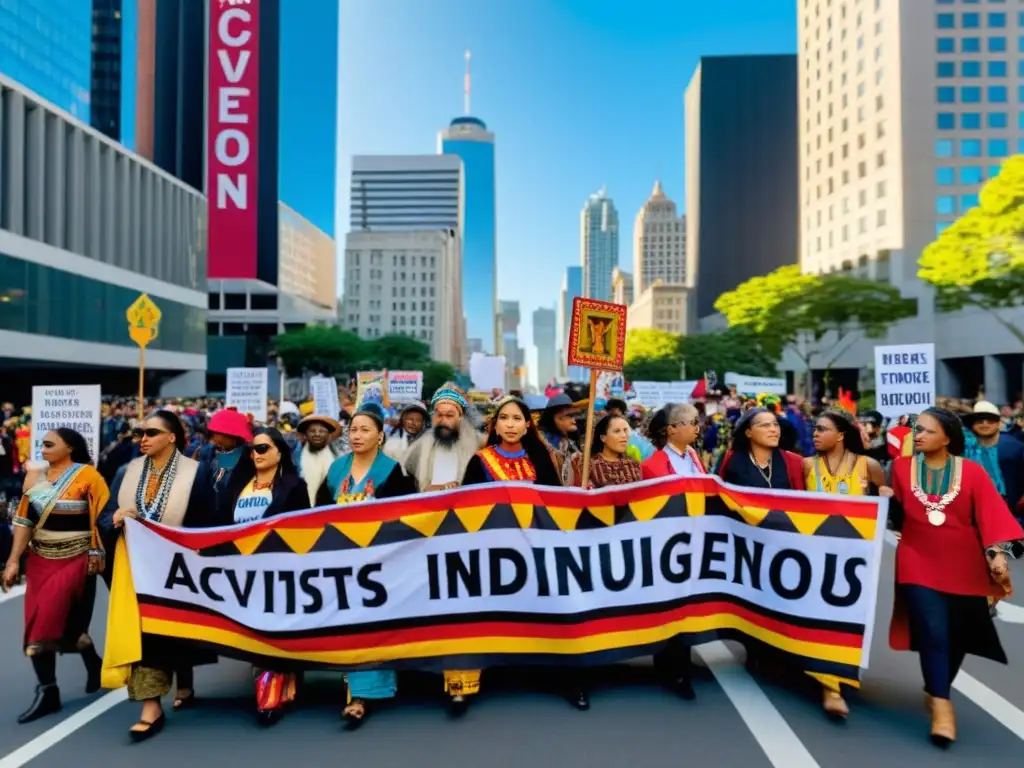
(935,510)
(154,511)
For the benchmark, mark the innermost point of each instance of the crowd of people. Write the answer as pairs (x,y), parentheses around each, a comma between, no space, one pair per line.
(955,483)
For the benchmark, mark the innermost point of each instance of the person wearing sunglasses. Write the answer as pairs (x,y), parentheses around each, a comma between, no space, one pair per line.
(56,523)
(162,486)
(263,484)
(674,431)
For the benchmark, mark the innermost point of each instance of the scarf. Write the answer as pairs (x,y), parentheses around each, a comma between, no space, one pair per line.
(345,490)
(987,456)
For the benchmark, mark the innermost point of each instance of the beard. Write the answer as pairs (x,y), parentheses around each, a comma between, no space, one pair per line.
(446,436)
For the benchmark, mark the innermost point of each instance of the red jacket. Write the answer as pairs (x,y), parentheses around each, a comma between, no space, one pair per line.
(660,465)
(794,469)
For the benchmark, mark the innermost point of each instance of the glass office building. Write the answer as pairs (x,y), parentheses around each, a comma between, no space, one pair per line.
(469,138)
(46,46)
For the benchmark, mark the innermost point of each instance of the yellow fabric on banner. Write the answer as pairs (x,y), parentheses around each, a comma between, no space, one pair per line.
(124,626)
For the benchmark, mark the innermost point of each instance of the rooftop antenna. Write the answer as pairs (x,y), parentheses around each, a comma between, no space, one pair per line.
(466,86)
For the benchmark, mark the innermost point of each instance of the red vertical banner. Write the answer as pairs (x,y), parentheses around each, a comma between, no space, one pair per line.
(232,139)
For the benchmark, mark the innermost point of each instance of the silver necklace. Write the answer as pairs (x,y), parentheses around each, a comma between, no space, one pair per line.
(767,476)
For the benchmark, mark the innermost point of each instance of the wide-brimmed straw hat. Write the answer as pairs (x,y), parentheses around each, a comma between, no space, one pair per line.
(982,409)
(316,418)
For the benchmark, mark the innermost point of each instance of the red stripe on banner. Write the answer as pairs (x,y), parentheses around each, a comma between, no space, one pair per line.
(502,629)
(392,509)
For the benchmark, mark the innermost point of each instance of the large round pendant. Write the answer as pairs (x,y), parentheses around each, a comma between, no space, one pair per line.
(936,518)
(843,487)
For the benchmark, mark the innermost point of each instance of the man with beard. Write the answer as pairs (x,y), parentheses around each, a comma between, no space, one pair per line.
(437,462)
(314,458)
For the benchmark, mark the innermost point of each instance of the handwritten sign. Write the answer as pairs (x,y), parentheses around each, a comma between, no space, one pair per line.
(325,396)
(904,379)
(405,386)
(755,385)
(247,391)
(77,408)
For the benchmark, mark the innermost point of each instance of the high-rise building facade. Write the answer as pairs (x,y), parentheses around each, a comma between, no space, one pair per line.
(469,139)
(599,245)
(515,358)
(572,286)
(659,242)
(391,193)
(545,339)
(906,108)
(742,172)
(622,287)
(108,59)
(46,46)
(407,282)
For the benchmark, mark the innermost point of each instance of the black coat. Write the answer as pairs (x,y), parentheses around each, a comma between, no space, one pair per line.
(289,494)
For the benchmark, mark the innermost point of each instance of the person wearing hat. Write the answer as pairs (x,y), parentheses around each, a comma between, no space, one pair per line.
(229,432)
(1002,456)
(558,429)
(316,454)
(412,420)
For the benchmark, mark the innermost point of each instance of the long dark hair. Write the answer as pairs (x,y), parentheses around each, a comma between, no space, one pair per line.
(173,424)
(657,429)
(740,441)
(602,429)
(76,444)
(841,420)
(952,426)
(245,470)
(536,449)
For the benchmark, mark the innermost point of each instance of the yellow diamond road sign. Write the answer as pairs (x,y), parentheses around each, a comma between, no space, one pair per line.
(143,313)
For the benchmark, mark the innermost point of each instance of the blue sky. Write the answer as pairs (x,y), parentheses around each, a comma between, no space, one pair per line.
(579,93)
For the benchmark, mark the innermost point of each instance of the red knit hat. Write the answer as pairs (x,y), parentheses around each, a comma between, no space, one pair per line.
(231,423)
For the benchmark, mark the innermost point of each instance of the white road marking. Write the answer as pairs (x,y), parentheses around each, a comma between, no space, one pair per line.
(1005,610)
(62,730)
(779,742)
(994,704)
(17,591)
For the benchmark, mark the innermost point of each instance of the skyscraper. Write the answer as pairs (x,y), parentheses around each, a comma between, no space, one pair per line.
(622,287)
(742,172)
(46,46)
(469,138)
(659,243)
(599,245)
(508,318)
(110,63)
(545,339)
(572,286)
(392,193)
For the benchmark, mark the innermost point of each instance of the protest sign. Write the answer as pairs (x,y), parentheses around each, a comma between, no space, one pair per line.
(325,396)
(247,391)
(904,379)
(405,386)
(510,574)
(755,385)
(372,387)
(76,407)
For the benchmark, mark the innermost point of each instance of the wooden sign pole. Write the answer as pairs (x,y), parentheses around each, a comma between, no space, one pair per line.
(142,382)
(588,439)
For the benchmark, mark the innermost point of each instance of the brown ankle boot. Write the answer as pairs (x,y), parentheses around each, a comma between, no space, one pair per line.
(943,722)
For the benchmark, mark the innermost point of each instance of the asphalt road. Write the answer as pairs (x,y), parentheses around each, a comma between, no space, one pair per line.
(737,720)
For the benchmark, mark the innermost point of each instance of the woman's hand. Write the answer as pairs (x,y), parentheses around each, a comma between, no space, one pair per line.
(999,570)
(121,514)
(10,577)
(886,491)
(95,564)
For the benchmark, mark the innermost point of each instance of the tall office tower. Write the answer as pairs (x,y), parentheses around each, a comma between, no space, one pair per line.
(572,286)
(107,74)
(599,245)
(742,172)
(545,339)
(468,138)
(515,358)
(406,282)
(622,287)
(392,193)
(46,46)
(906,108)
(659,242)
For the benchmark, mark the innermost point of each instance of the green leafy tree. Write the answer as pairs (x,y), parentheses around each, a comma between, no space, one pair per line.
(817,317)
(664,368)
(322,349)
(397,352)
(436,373)
(735,349)
(651,344)
(979,260)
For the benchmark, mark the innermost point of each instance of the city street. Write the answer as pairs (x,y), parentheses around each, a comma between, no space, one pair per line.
(736,721)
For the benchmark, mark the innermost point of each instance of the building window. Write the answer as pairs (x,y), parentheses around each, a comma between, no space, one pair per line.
(997,120)
(997,68)
(998,148)
(941,227)
(967,202)
(969,20)
(996,20)
(945,205)
(997,94)
(945,121)
(970,148)
(946,20)
(968,68)
(945,176)
(945,94)
(970,121)
(970,174)
(880,218)
(970,94)
(997,45)
(945,45)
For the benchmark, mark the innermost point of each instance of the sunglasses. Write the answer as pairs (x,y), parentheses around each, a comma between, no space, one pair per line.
(261,448)
(151,432)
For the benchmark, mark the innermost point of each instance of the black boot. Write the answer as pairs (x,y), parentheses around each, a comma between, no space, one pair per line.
(93,668)
(47,702)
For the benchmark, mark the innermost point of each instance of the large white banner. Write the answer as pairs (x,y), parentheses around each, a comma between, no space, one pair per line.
(904,379)
(76,407)
(755,385)
(247,391)
(325,396)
